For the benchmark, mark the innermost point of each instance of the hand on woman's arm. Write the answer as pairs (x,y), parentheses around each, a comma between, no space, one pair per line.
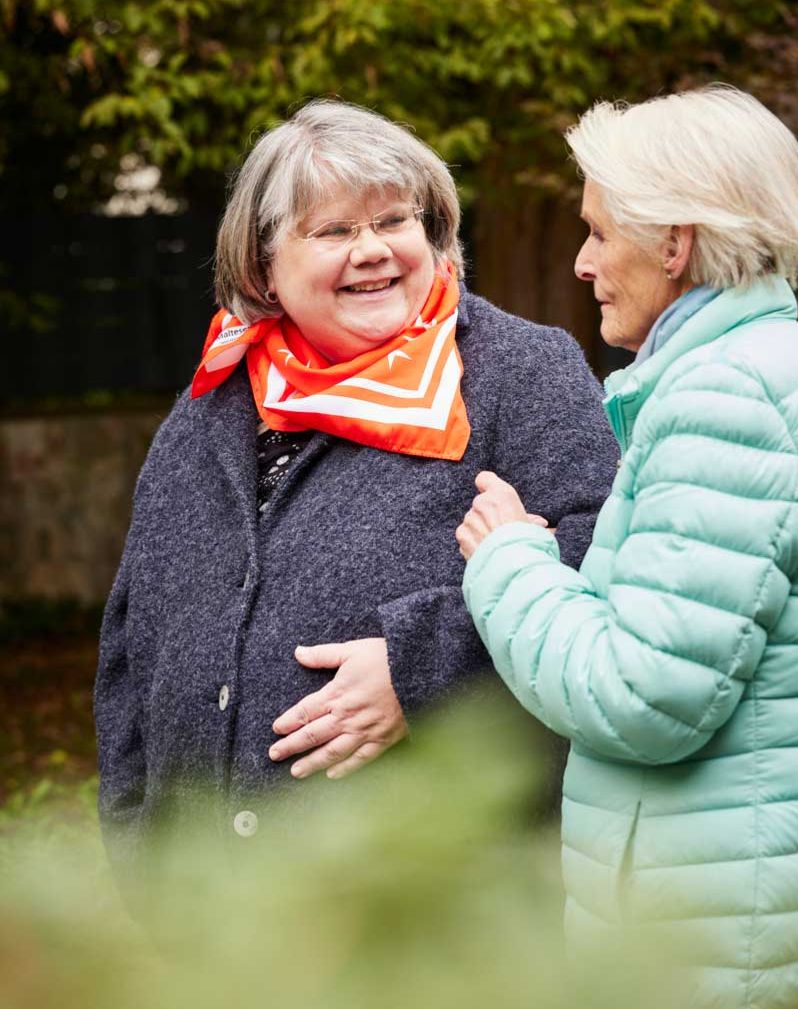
(349,722)
(497,504)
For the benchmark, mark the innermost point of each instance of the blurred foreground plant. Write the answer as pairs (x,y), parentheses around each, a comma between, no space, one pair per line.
(422,882)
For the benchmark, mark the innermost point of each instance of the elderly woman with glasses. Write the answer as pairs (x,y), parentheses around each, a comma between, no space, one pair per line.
(671,659)
(289,596)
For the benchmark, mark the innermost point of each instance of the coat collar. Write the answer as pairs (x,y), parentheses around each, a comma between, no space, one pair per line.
(233,430)
(628,389)
(463,321)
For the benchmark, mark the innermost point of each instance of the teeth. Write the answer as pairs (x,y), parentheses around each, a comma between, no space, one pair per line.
(376,285)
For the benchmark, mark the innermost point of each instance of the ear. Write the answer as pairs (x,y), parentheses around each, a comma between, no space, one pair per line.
(269,292)
(678,247)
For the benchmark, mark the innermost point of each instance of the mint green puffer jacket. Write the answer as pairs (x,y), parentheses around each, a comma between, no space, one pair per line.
(670,660)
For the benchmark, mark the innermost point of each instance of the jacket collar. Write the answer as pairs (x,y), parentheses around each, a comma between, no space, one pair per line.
(628,389)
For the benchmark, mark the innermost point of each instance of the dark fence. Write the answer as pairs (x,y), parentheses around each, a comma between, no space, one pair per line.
(120,305)
(103,304)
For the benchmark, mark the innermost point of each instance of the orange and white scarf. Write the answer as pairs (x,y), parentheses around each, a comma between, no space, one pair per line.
(403,396)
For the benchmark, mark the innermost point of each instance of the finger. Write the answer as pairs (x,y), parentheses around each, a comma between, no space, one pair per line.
(537,520)
(315,733)
(466,540)
(477,523)
(362,756)
(328,656)
(471,533)
(468,548)
(486,479)
(474,514)
(307,710)
(489,481)
(334,752)
(489,502)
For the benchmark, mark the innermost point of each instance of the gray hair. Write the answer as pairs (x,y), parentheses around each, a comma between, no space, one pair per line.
(715,158)
(295,166)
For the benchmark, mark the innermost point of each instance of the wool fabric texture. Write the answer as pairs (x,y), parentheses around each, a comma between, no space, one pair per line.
(671,659)
(402,396)
(353,543)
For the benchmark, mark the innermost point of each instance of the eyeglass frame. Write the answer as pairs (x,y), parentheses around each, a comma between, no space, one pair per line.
(417,212)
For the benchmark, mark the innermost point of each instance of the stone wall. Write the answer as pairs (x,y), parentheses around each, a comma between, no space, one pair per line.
(67,485)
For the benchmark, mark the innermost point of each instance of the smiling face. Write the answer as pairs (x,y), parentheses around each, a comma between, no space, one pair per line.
(629,282)
(351,297)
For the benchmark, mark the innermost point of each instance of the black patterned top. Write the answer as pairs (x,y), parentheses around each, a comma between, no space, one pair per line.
(276,451)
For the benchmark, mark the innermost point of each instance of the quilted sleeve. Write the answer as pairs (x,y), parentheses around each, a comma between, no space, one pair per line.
(652,671)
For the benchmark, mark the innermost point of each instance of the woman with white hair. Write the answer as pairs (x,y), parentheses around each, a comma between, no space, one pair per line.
(289,595)
(670,660)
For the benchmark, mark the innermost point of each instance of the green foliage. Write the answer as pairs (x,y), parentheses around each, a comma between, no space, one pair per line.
(417,883)
(490,83)
(51,812)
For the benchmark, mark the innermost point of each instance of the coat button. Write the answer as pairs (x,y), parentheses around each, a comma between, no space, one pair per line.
(245,823)
(224,697)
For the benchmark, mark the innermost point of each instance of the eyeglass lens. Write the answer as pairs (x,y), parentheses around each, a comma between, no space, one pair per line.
(388,222)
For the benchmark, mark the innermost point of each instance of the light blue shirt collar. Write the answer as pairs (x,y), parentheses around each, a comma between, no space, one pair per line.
(673,318)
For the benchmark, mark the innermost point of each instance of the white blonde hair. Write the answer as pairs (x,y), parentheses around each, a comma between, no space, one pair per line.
(715,158)
(294,167)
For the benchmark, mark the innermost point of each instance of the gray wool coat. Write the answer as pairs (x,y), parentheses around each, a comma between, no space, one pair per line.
(211,599)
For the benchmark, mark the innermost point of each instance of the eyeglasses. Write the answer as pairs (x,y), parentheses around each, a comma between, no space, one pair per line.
(389,222)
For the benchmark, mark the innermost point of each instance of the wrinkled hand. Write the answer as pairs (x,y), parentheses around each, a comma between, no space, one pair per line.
(351,720)
(495,505)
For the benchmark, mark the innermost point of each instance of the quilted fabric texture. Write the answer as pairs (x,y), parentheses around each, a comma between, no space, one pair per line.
(671,658)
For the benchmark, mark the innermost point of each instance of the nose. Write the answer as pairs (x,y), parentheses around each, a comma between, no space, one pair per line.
(368,247)
(582,265)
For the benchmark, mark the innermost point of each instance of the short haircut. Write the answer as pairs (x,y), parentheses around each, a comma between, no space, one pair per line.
(715,158)
(294,167)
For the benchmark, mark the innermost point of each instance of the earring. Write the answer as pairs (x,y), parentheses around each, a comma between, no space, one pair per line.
(271,297)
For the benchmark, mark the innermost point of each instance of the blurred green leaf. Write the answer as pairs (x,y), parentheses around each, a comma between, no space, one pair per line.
(421,882)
